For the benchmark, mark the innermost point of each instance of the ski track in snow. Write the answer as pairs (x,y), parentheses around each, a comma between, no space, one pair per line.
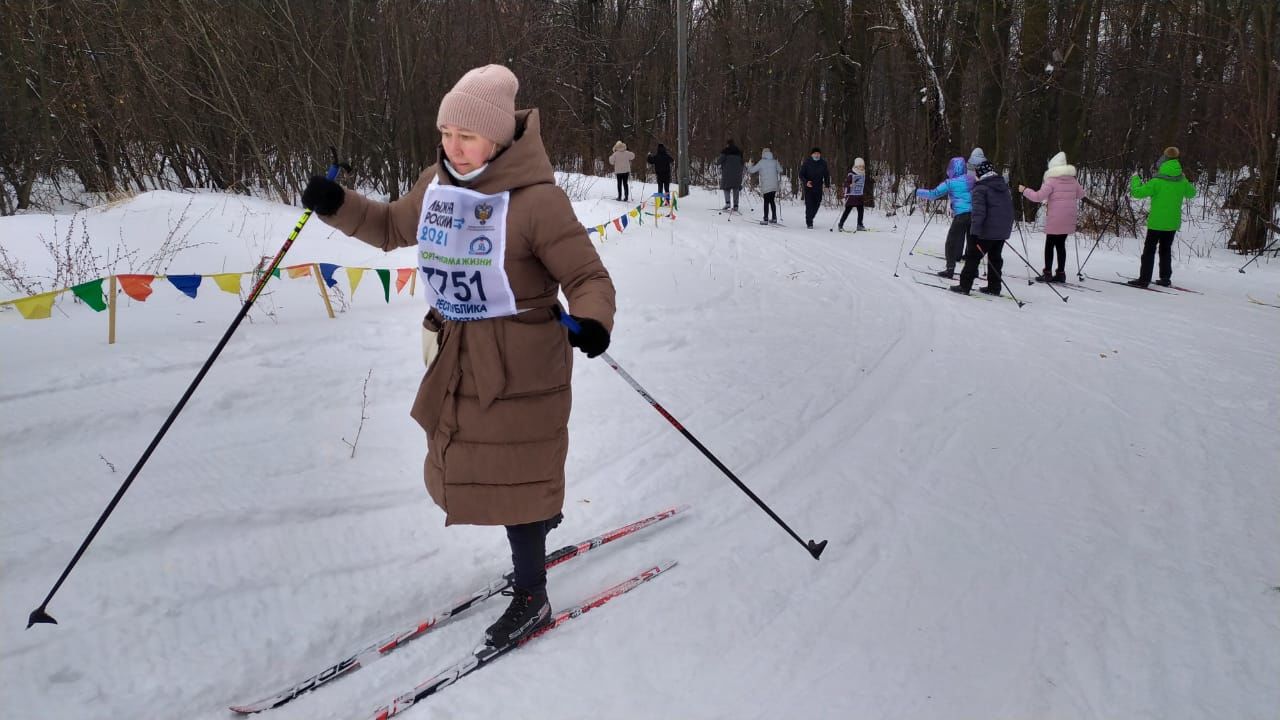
(1063,510)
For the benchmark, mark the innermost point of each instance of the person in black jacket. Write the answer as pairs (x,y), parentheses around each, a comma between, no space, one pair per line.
(990,225)
(816,178)
(661,161)
(731,164)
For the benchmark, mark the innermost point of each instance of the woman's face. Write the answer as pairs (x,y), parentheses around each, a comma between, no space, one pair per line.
(466,150)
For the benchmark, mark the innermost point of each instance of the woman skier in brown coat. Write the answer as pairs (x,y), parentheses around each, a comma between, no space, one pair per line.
(497,241)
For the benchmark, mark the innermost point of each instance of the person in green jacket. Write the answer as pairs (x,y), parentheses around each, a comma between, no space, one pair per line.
(1167,190)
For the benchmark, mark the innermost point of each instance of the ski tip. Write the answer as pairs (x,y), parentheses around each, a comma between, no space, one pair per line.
(815,549)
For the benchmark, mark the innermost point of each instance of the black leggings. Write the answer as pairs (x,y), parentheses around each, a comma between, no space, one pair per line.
(1056,243)
(770,205)
(845,216)
(624,190)
(528,552)
(973,255)
(664,184)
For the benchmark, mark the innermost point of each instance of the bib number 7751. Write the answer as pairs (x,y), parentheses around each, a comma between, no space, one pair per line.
(458,283)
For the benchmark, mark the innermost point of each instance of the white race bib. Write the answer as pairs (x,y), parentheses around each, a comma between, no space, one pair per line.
(462,242)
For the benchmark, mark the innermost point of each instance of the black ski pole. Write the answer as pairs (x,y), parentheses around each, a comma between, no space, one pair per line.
(903,243)
(1101,232)
(40,614)
(1111,215)
(814,548)
(1028,264)
(1261,252)
(1001,271)
(927,220)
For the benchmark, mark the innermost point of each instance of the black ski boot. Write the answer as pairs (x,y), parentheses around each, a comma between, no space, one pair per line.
(960,289)
(948,274)
(528,611)
(1164,283)
(1137,283)
(1060,276)
(989,291)
(1045,276)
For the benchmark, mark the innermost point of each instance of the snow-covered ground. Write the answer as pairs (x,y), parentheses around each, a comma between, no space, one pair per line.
(1055,511)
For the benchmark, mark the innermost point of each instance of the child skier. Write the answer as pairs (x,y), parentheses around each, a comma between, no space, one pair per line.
(990,227)
(770,180)
(1059,192)
(959,187)
(854,185)
(621,161)
(1167,190)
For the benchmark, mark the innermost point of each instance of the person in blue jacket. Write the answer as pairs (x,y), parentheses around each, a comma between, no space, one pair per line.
(959,186)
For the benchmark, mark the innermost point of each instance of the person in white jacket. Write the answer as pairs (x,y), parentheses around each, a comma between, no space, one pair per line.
(621,161)
(770,180)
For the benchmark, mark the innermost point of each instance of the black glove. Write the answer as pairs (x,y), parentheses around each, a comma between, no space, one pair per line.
(323,196)
(593,339)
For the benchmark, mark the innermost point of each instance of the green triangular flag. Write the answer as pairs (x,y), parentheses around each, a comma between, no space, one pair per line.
(385,277)
(91,294)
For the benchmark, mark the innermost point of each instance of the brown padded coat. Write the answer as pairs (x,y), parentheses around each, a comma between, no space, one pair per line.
(495,401)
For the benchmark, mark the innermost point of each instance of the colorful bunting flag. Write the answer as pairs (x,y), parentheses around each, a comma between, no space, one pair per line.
(137,287)
(354,275)
(229,282)
(91,294)
(402,277)
(617,222)
(299,271)
(37,307)
(326,272)
(188,284)
(385,277)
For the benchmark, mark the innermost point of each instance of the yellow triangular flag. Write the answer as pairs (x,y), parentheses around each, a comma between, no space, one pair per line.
(354,275)
(229,282)
(37,307)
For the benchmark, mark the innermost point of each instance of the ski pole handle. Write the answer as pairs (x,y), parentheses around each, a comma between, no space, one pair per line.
(334,166)
(567,320)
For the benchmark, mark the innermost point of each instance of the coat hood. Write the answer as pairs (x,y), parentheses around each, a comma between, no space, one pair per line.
(859,166)
(619,146)
(766,155)
(1170,169)
(1058,167)
(977,157)
(956,168)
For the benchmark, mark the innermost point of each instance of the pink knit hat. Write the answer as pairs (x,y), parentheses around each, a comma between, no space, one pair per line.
(484,102)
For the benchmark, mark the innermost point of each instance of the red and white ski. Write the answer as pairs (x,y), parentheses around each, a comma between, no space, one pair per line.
(387,644)
(486,654)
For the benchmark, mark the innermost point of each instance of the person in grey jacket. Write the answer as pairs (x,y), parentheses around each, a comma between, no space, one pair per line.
(990,225)
(770,180)
(730,162)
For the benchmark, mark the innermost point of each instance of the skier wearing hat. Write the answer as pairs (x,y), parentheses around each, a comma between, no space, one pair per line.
(989,228)
(497,242)
(816,178)
(1167,190)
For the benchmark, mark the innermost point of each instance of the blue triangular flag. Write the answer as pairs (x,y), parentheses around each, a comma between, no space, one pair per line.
(326,271)
(188,284)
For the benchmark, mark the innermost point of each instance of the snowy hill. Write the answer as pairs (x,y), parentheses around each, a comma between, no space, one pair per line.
(1063,510)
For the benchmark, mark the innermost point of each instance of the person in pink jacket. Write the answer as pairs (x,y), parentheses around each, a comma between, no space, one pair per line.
(1059,192)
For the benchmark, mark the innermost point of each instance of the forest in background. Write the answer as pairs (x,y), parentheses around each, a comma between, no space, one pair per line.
(115,97)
